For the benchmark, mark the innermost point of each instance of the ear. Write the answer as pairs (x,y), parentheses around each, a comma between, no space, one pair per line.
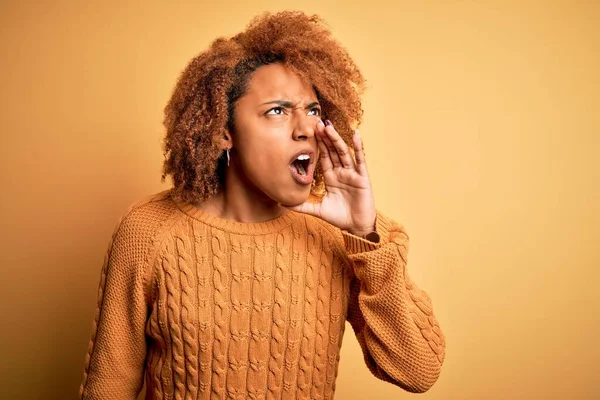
(226,141)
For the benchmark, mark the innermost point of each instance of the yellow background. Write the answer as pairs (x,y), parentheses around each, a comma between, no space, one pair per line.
(481,127)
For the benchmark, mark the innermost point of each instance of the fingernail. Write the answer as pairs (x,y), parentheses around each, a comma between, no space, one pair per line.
(328,122)
(321,123)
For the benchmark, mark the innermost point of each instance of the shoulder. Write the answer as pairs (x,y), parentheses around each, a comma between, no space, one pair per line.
(140,230)
(150,210)
(143,221)
(132,247)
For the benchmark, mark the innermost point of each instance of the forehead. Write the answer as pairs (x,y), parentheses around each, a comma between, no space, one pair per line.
(274,81)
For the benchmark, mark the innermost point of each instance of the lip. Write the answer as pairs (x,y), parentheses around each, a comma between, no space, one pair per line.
(308,178)
(308,151)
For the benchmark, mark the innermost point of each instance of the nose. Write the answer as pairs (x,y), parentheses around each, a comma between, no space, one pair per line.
(304,127)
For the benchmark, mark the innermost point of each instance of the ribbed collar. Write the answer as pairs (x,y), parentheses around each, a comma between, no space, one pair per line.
(243,228)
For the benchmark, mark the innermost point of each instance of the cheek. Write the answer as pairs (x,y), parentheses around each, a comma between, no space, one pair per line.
(263,152)
(262,163)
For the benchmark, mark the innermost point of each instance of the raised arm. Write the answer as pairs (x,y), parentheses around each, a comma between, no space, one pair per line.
(392,318)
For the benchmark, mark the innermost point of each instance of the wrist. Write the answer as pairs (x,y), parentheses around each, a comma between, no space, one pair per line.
(364,230)
(361,232)
(368,234)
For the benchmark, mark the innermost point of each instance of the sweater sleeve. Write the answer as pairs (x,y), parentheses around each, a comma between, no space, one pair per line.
(392,318)
(116,355)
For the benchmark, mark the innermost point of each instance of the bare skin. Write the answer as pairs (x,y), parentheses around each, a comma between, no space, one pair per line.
(278,118)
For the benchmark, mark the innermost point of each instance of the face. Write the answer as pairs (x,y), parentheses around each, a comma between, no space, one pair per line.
(274,145)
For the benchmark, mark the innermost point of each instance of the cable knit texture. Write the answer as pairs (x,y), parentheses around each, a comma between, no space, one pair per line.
(208,308)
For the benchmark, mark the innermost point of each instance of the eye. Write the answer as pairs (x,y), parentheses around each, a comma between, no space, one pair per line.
(276,111)
(315,111)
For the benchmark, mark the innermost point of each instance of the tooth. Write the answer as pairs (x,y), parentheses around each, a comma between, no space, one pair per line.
(303,157)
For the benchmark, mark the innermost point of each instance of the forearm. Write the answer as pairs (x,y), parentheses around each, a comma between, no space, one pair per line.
(393,319)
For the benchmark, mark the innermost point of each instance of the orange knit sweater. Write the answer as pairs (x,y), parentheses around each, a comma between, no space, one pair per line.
(208,308)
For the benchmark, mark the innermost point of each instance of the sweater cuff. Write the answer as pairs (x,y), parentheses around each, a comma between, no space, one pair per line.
(355,244)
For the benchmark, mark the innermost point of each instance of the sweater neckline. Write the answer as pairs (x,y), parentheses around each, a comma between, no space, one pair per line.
(244,228)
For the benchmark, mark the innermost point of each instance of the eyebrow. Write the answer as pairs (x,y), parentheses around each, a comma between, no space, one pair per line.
(289,104)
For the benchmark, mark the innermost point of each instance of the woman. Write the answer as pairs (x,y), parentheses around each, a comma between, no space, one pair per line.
(237,282)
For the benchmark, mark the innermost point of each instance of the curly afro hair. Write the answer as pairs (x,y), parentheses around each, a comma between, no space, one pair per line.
(202,107)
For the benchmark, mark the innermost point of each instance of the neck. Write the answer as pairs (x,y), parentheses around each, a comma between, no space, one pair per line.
(242,202)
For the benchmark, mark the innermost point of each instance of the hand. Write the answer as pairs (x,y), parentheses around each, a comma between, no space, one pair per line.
(349,202)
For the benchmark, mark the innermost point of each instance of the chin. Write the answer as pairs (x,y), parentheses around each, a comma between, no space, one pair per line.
(294,199)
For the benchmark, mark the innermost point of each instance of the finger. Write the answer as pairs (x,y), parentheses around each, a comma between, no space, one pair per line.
(326,163)
(340,147)
(359,154)
(333,155)
(307,208)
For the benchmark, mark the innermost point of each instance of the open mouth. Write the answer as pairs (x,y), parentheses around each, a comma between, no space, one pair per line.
(302,169)
(301,164)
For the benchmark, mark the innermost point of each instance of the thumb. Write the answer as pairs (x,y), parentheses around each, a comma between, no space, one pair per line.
(307,208)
